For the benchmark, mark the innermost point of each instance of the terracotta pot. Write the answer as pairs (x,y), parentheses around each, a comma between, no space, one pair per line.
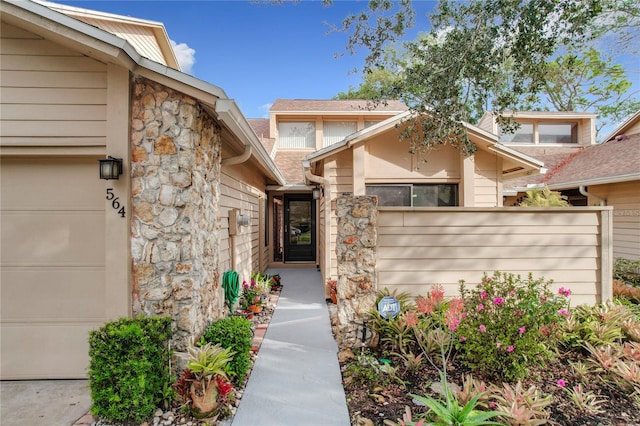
(204,398)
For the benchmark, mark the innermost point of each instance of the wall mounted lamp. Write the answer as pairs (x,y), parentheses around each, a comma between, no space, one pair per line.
(317,192)
(110,168)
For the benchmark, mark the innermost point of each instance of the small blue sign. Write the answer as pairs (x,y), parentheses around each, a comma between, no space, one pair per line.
(388,307)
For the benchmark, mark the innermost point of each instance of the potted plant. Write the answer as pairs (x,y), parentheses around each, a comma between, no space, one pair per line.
(205,381)
(251,297)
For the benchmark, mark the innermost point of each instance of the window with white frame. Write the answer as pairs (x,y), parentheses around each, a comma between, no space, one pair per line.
(415,195)
(524,134)
(297,134)
(335,131)
(543,132)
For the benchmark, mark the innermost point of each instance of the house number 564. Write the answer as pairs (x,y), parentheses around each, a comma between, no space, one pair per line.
(115,203)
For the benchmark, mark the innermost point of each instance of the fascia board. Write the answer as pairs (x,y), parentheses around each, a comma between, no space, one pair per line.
(52,22)
(596,181)
(229,113)
(623,127)
(359,136)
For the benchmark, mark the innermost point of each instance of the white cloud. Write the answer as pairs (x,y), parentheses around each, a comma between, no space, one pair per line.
(265,108)
(185,55)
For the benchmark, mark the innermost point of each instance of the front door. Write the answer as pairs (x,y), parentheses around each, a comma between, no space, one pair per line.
(299,228)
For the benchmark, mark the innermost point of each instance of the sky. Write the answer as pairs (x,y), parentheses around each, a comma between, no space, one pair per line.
(258,53)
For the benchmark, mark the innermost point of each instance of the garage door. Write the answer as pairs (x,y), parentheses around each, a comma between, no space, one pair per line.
(52,265)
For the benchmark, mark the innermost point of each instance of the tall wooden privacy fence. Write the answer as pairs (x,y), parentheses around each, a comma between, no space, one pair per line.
(571,246)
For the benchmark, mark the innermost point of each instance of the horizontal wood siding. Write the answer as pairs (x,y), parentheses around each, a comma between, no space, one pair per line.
(625,199)
(421,247)
(50,95)
(485,180)
(339,172)
(235,194)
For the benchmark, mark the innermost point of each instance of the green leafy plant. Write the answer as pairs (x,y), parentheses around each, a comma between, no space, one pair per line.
(233,333)
(510,323)
(394,334)
(451,412)
(367,370)
(472,388)
(523,406)
(208,386)
(627,271)
(129,369)
(599,325)
(544,197)
(208,360)
(585,400)
(407,419)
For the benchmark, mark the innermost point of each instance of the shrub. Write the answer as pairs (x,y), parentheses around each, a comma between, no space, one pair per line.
(509,324)
(129,370)
(627,271)
(233,333)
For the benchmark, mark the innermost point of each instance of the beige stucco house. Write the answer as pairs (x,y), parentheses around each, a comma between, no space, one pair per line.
(204,190)
(78,86)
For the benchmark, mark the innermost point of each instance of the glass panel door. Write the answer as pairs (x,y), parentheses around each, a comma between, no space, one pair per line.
(299,230)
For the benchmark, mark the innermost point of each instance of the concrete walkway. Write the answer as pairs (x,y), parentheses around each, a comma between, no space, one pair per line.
(296,379)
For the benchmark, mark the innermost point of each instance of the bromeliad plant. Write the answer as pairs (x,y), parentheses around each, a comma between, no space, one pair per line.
(510,323)
(205,384)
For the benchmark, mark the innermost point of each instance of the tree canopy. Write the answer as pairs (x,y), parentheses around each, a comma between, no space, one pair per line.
(497,55)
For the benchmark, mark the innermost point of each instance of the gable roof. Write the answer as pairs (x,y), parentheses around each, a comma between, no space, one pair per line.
(515,164)
(632,124)
(109,48)
(149,38)
(336,106)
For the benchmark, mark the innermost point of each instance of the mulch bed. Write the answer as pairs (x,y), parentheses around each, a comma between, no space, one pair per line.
(371,404)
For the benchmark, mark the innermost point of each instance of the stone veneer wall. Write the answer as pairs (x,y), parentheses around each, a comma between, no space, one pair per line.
(175,197)
(356,256)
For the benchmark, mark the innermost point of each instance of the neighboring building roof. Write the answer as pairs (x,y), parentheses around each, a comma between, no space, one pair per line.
(617,160)
(261,127)
(632,124)
(614,161)
(552,157)
(515,163)
(149,38)
(290,164)
(104,46)
(346,106)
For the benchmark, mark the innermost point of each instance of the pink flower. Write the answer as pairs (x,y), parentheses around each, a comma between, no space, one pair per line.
(561,383)
(510,348)
(492,405)
(498,301)
(564,312)
(498,345)
(482,328)
(521,330)
(412,318)
(480,307)
(463,339)
(483,295)
(564,291)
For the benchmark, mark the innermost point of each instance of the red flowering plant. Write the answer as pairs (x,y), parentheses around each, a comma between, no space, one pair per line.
(510,324)
(251,293)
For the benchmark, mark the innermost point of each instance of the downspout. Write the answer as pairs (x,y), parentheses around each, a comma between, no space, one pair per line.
(238,158)
(584,192)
